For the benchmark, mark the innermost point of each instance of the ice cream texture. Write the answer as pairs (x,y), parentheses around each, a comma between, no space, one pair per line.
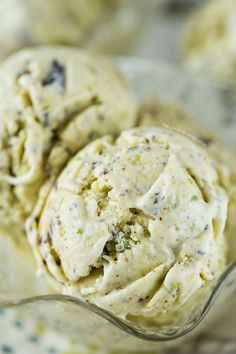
(134,225)
(53,101)
(153,112)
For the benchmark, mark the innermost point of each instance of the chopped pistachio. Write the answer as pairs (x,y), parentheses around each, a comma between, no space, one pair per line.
(194,198)
(79,232)
(175,205)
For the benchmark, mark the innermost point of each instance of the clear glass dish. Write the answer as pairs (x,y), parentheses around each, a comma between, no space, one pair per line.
(215,109)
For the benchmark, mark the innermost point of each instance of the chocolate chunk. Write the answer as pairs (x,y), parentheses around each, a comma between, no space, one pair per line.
(207,140)
(39,241)
(201,253)
(56,74)
(46,121)
(105,171)
(51,228)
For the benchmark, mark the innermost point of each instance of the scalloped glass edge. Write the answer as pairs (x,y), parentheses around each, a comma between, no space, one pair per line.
(125,326)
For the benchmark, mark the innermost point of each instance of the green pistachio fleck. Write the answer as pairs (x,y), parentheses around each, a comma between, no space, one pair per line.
(194,198)
(175,205)
(127,245)
(79,232)
(192,227)
(122,245)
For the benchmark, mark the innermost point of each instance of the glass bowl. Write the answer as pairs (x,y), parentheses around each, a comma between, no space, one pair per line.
(215,109)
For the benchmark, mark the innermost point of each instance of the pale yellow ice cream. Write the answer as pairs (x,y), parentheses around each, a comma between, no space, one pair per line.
(158,113)
(209,41)
(53,101)
(134,224)
(32,22)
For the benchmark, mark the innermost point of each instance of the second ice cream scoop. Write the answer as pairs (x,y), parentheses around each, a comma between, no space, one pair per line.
(209,42)
(53,101)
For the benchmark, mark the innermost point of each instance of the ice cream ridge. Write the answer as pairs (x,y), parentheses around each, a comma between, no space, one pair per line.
(133,224)
(53,101)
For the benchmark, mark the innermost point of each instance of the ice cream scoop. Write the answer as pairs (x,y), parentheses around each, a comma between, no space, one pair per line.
(60,22)
(209,42)
(134,225)
(53,101)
